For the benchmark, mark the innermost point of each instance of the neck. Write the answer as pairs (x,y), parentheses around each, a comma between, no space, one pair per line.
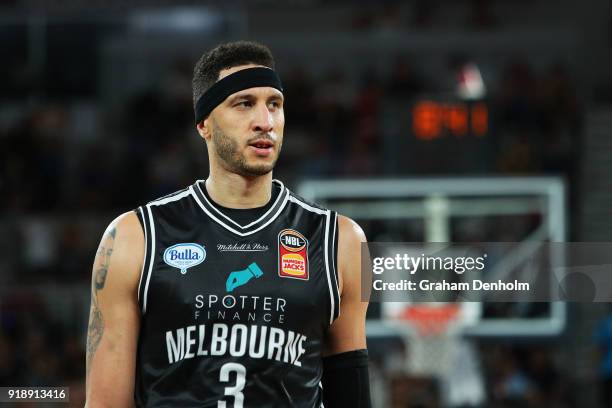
(232,190)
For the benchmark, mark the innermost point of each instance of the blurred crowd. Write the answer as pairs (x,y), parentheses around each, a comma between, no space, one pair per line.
(42,341)
(60,156)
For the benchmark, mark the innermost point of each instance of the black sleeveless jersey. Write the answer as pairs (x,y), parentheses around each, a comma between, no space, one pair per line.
(234,315)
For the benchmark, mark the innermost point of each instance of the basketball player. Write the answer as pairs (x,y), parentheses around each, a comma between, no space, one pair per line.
(233,292)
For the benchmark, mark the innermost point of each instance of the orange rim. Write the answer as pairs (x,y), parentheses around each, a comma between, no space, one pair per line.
(430,320)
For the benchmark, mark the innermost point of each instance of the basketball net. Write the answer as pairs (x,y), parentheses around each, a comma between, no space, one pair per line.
(433,337)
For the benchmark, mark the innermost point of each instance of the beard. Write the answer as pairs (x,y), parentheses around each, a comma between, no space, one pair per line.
(234,160)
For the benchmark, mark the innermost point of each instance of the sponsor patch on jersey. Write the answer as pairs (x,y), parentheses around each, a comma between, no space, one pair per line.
(184,256)
(292,255)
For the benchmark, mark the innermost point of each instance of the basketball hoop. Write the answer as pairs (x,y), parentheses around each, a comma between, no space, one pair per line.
(432,338)
(431,319)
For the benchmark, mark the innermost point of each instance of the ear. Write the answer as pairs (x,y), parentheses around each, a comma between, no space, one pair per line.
(204,128)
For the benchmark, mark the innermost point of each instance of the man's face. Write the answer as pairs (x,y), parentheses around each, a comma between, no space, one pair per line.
(245,131)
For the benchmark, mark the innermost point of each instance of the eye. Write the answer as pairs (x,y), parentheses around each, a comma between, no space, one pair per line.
(243,104)
(275,104)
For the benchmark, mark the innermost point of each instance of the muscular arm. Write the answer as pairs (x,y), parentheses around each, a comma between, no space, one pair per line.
(346,365)
(348,330)
(114,318)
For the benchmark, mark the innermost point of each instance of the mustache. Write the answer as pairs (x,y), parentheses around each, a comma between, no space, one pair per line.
(264,136)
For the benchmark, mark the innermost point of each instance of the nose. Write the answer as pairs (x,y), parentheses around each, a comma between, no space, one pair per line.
(264,120)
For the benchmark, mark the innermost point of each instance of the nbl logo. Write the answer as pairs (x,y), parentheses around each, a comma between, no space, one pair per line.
(294,242)
(292,255)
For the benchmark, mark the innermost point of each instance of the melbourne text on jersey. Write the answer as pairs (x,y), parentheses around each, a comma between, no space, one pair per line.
(243,336)
(237,340)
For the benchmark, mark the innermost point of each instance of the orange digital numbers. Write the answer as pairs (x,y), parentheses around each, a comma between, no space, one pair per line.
(426,120)
(431,120)
(480,119)
(457,119)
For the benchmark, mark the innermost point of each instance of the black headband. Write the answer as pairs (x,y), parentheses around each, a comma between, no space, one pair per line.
(239,80)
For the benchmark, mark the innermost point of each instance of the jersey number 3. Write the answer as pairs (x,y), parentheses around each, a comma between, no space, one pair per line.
(235,390)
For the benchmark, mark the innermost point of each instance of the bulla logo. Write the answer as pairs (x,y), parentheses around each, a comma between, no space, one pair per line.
(184,256)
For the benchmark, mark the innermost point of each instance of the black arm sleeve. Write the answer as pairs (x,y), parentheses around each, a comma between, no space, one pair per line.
(346,382)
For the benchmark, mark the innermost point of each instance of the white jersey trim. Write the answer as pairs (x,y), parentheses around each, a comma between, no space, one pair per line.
(321,387)
(327,267)
(335,260)
(169,199)
(151,259)
(229,228)
(144,259)
(306,206)
(280,194)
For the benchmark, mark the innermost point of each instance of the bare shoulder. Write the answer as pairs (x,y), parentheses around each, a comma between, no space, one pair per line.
(349,232)
(350,238)
(128,225)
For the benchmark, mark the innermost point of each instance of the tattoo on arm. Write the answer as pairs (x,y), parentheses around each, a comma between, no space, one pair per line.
(96,320)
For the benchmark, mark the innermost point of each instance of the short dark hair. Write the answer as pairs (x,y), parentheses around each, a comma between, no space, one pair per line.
(225,56)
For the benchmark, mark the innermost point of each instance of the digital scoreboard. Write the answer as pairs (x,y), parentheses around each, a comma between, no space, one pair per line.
(433,120)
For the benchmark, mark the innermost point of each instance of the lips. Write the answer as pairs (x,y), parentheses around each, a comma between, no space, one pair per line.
(262,147)
(261,143)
